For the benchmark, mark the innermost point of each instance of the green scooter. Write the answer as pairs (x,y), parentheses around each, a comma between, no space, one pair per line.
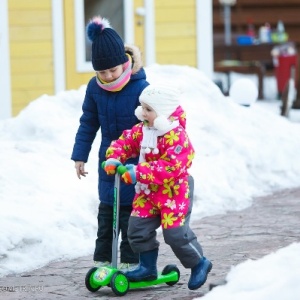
(111,276)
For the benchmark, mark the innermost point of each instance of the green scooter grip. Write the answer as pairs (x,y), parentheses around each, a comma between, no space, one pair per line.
(121,169)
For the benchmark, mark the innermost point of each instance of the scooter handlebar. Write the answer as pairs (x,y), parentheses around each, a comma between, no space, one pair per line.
(120,169)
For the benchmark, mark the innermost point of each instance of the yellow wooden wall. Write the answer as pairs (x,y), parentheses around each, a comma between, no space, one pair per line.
(30,33)
(175,29)
(31,49)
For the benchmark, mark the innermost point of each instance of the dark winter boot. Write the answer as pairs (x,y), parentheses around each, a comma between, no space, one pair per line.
(146,270)
(199,274)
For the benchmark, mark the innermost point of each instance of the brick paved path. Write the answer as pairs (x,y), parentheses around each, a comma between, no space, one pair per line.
(269,224)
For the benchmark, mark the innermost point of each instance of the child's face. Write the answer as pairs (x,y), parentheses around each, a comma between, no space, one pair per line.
(110,75)
(148,114)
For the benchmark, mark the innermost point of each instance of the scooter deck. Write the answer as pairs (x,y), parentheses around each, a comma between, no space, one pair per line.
(119,283)
(172,276)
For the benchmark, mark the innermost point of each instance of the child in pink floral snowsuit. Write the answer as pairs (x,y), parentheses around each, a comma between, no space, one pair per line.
(162,190)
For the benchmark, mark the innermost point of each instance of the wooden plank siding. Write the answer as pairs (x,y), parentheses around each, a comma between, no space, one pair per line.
(30,34)
(175,29)
(139,28)
(31,44)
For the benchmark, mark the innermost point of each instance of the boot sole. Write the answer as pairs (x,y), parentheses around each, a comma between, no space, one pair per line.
(199,285)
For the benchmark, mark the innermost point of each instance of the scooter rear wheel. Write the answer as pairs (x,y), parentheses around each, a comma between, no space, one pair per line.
(168,269)
(119,283)
(88,283)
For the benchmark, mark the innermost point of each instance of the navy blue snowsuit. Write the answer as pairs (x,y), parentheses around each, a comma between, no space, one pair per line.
(112,112)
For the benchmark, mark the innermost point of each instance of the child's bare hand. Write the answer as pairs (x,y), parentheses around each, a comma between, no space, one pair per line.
(79,166)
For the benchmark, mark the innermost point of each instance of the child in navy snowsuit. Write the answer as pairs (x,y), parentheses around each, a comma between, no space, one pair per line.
(109,104)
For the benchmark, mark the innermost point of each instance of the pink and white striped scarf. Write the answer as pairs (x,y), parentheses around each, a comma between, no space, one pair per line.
(118,84)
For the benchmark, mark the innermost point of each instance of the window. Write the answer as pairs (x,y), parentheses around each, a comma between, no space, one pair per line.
(84,11)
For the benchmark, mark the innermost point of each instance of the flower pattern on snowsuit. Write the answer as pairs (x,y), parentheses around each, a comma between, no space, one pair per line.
(165,173)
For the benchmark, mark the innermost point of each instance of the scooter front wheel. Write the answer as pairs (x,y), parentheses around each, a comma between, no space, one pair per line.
(167,270)
(88,282)
(119,283)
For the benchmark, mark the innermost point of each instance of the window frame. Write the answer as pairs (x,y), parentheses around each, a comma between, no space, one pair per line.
(82,65)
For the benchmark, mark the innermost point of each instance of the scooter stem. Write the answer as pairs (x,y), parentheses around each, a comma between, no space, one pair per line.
(116,212)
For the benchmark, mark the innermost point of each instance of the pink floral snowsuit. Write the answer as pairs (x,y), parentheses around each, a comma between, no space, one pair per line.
(163,194)
(165,173)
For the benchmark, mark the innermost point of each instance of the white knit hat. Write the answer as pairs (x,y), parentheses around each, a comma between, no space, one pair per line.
(163,99)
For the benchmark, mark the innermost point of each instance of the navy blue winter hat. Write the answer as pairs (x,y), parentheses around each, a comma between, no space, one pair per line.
(108,48)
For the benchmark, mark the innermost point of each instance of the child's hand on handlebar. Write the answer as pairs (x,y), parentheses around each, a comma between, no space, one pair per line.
(128,173)
(110,166)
